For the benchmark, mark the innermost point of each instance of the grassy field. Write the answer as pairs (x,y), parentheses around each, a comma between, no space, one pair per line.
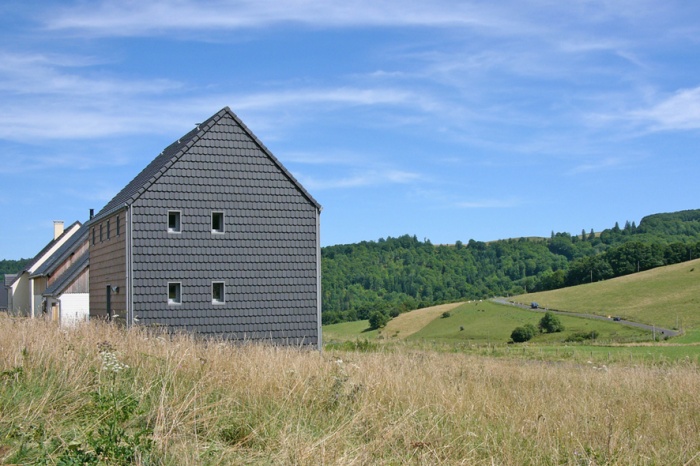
(667,296)
(102,395)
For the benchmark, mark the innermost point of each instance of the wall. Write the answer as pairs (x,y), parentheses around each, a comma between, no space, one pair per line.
(266,257)
(108,266)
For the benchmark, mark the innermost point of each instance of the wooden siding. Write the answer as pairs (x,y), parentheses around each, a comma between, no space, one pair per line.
(68,262)
(108,266)
(80,285)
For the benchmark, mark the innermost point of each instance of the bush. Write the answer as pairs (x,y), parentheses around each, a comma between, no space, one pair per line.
(582,336)
(524,333)
(446,314)
(395,312)
(378,319)
(550,323)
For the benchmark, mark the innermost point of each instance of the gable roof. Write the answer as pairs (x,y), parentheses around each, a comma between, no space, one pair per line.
(64,281)
(173,153)
(30,267)
(71,245)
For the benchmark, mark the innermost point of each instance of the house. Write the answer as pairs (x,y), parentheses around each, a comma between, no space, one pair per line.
(25,291)
(4,289)
(64,279)
(213,237)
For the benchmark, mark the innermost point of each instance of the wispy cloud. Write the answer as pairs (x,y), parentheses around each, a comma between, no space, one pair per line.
(488,204)
(597,165)
(373,177)
(130,17)
(681,111)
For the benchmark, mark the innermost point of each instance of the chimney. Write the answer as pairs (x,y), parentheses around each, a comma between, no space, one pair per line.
(92,213)
(57,228)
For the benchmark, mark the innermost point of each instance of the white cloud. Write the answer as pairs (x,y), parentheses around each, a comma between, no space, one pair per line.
(681,111)
(130,17)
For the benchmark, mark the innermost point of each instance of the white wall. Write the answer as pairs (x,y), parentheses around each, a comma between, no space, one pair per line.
(75,307)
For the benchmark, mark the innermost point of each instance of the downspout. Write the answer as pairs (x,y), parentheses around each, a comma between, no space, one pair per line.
(319,301)
(129,305)
(31,297)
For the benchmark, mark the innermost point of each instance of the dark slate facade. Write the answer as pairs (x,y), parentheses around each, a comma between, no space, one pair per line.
(218,238)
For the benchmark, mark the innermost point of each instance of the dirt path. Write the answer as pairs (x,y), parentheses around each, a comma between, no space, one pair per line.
(410,322)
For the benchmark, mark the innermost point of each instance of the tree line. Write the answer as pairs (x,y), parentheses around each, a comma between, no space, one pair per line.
(395,275)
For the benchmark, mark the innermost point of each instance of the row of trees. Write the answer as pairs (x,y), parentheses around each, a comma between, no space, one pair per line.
(394,275)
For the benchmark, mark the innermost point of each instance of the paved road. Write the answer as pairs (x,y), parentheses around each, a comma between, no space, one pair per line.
(661,332)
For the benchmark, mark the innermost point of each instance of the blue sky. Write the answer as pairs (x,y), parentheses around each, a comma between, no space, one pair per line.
(448,120)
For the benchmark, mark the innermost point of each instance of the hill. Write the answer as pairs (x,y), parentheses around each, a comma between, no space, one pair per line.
(666,296)
(399,274)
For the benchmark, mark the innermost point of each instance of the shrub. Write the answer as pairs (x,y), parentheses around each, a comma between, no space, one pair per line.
(395,312)
(550,323)
(524,333)
(446,314)
(582,336)
(378,319)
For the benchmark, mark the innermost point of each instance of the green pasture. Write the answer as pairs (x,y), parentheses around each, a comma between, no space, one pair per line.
(668,297)
(490,322)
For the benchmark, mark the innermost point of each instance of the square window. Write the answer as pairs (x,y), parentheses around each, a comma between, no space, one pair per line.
(217,222)
(174,293)
(218,292)
(174,224)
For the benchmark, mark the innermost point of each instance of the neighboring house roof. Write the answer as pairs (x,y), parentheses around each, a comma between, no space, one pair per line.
(172,153)
(71,245)
(9,278)
(64,281)
(30,267)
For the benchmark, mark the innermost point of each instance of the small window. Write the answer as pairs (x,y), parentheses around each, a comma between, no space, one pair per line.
(174,293)
(217,222)
(174,225)
(118,222)
(108,235)
(218,292)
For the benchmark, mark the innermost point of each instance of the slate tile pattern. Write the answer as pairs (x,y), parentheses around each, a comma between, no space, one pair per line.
(267,255)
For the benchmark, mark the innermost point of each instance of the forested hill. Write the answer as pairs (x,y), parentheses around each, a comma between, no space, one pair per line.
(399,274)
(12,266)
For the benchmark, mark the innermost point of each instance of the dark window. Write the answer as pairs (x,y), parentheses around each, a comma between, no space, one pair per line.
(217,222)
(108,235)
(93,235)
(118,225)
(174,293)
(174,224)
(218,293)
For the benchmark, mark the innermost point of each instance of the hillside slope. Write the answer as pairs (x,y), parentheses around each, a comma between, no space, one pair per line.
(666,296)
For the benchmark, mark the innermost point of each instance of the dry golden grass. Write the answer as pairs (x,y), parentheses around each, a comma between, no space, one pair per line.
(409,323)
(215,403)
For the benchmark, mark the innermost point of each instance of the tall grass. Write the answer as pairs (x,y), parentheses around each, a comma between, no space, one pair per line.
(99,393)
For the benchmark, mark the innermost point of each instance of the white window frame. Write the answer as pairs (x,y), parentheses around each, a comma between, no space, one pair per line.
(179,221)
(223,292)
(175,302)
(223,222)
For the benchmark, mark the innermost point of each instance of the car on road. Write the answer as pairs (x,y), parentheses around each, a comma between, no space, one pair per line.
(534,305)
(616,319)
